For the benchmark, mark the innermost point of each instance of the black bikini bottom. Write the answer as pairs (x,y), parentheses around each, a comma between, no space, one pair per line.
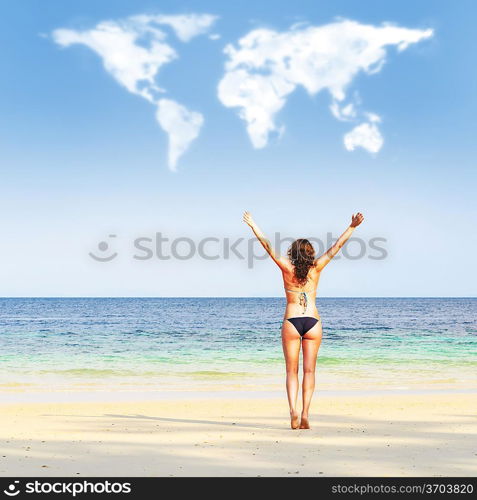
(303,324)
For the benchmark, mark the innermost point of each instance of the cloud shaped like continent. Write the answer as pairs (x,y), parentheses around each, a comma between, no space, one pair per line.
(181,125)
(366,136)
(267,66)
(186,26)
(133,50)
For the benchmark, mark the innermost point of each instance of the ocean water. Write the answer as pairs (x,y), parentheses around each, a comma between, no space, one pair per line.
(163,344)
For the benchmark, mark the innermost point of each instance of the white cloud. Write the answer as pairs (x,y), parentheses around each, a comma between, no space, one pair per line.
(366,136)
(258,98)
(343,112)
(186,26)
(267,66)
(132,65)
(373,117)
(133,51)
(181,125)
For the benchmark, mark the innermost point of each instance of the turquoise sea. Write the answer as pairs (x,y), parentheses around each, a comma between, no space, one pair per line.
(157,344)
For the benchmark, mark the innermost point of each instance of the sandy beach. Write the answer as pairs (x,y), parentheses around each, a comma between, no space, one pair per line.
(368,435)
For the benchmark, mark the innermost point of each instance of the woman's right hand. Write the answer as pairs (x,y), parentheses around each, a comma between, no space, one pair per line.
(247,218)
(356,219)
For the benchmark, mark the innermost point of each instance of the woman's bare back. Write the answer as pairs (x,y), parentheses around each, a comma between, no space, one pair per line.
(294,292)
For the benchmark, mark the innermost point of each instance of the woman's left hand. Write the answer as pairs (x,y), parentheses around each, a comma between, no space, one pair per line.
(356,219)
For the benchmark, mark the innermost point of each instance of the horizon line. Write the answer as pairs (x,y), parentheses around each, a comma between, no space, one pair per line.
(236,297)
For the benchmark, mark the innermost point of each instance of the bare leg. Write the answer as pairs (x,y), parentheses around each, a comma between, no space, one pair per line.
(310,344)
(291,350)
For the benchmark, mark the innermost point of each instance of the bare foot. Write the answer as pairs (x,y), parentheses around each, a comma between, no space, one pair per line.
(304,424)
(294,420)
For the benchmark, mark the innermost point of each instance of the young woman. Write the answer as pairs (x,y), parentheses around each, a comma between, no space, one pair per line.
(301,324)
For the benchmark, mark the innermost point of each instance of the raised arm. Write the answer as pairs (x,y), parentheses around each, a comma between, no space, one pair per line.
(280,261)
(321,262)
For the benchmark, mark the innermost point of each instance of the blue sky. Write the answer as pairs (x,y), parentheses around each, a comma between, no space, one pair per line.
(82,158)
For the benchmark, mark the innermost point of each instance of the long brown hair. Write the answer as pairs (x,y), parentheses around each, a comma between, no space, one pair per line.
(302,255)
